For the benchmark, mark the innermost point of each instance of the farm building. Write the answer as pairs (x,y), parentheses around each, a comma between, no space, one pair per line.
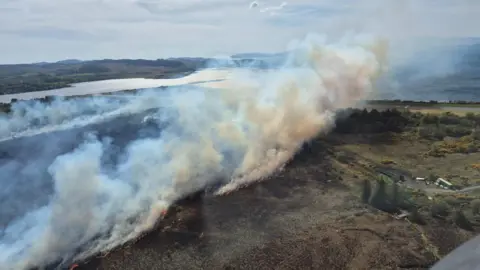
(423,179)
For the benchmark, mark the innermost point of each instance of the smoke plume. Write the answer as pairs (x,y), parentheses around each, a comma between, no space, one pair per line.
(240,131)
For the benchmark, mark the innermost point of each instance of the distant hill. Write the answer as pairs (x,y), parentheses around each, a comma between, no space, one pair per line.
(262,60)
(258,55)
(251,55)
(69,61)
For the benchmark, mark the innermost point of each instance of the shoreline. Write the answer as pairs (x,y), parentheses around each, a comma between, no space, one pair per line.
(50,93)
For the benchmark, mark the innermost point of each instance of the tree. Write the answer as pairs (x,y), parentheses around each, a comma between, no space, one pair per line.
(416,217)
(432,178)
(375,114)
(366,191)
(429,119)
(462,221)
(475,134)
(470,116)
(379,198)
(475,204)
(395,196)
(364,114)
(440,210)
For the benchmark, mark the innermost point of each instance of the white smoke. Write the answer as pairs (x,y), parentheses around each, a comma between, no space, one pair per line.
(32,115)
(241,132)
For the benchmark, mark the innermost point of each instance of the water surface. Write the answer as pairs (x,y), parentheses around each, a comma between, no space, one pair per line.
(108,86)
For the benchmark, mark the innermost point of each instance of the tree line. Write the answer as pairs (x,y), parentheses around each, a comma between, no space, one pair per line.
(370,121)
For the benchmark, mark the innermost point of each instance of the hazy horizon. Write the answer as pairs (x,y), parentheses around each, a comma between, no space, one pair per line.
(431,41)
(149,59)
(35,31)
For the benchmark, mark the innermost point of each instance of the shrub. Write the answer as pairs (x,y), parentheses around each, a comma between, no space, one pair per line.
(470,116)
(387,162)
(454,202)
(429,119)
(472,148)
(475,204)
(416,217)
(343,157)
(5,108)
(449,118)
(395,195)
(366,191)
(475,134)
(440,210)
(379,197)
(462,221)
(432,177)
(390,200)
(465,144)
(403,198)
(476,166)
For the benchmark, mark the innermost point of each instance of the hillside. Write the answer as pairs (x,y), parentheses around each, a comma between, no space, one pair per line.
(318,213)
(45,76)
(336,205)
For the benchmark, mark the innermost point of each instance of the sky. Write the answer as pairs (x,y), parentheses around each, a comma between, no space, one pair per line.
(51,30)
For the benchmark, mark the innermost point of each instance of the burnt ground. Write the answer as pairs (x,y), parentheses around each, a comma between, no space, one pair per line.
(308,216)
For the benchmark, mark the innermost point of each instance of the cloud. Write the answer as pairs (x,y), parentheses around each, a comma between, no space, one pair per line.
(273,9)
(53,33)
(47,30)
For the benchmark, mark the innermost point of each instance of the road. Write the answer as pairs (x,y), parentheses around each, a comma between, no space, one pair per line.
(468,189)
(436,190)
